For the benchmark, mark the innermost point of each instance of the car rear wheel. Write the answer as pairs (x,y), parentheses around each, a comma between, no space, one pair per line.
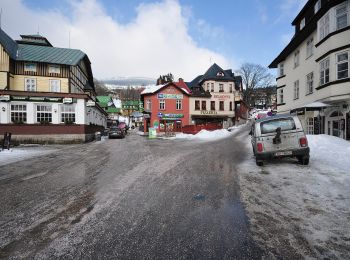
(259,163)
(303,160)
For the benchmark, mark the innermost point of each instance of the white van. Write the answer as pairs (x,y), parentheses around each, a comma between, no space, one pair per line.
(279,136)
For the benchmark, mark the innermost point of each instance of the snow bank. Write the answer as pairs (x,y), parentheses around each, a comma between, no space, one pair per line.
(329,150)
(307,205)
(19,154)
(205,135)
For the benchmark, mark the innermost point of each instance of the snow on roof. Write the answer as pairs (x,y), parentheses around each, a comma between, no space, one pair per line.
(154,88)
(151,89)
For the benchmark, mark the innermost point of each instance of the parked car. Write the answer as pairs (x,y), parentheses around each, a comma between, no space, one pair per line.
(279,136)
(116,132)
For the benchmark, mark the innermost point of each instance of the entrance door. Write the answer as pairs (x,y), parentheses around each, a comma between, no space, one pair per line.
(335,128)
(178,126)
(336,125)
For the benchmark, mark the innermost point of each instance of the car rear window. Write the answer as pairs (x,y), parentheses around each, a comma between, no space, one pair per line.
(271,126)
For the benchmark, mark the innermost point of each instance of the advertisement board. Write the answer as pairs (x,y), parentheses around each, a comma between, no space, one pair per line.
(152,133)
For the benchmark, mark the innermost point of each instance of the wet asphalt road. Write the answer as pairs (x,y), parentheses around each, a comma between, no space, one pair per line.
(127,199)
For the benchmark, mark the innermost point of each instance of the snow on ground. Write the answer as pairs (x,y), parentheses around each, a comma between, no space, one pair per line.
(18,154)
(307,206)
(205,135)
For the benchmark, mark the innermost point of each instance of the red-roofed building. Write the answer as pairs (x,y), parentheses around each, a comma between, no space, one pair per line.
(166,106)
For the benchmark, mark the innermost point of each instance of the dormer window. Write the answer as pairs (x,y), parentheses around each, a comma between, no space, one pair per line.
(317,6)
(220,74)
(302,23)
(30,67)
(54,69)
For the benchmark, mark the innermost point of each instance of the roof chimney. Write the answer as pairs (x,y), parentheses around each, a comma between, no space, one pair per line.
(181,80)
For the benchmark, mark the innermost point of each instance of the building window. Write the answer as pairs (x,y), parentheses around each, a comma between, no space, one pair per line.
(230,105)
(341,16)
(324,71)
(55,85)
(212,87)
(18,113)
(343,65)
(324,26)
(54,69)
(296,58)
(161,104)
(204,105)
(310,83)
(212,105)
(148,104)
(30,84)
(221,87)
(178,104)
(309,47)
(231,87)
(302,23)
(67,114)
(310,126)
(30,67)
(221,106)
(208,87)
(44,113)
(197,105)
(281,69)
(317,6)
(281,96)
(296,89)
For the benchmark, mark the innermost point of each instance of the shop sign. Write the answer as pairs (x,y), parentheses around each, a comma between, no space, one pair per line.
(36,99)
(170,96)
(172,116)
(53,99)
(208,112)
(5,98)
(90,103)
(222,96)
(68,100)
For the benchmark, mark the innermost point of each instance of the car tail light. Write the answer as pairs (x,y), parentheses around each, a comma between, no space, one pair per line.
(259,146)
(303,142)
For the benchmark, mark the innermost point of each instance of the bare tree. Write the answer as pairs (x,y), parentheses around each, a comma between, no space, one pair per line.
(254,76)
(100,88)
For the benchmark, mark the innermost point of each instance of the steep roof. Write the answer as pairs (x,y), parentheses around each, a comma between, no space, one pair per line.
(103,100)
(155,88)
(37,53)
(9,45)
(215,72)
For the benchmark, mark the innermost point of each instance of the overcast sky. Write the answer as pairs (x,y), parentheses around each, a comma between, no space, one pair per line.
(147,38)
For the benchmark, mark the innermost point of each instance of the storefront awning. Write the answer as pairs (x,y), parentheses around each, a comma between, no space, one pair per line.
(314,106)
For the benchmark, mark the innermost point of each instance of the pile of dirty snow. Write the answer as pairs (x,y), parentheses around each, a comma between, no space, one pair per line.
(205,135)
